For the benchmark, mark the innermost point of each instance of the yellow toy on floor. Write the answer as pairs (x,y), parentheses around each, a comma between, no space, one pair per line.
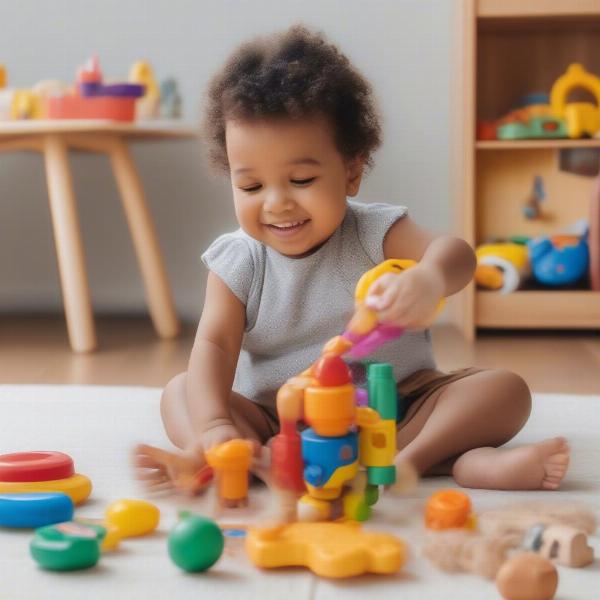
(328,549)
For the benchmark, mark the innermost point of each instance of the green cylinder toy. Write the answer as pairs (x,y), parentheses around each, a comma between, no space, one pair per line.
(381,439)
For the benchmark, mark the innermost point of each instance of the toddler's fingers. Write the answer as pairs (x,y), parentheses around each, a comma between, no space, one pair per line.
(381,293)
(151,475)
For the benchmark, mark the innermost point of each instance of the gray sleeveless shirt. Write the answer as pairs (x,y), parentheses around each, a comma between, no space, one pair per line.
(294,305)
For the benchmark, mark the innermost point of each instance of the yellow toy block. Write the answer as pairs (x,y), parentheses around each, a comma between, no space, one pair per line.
(334,550)
(78,487)
(581,117)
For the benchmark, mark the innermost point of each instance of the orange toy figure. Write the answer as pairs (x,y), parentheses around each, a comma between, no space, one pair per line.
(328,549)
(330,405)
(231,463)
(448,509)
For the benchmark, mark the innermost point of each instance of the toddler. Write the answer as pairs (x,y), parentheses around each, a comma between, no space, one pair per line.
(294,126)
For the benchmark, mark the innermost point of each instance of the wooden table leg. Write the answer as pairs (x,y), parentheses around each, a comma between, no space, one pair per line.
(141,226)
(69,248)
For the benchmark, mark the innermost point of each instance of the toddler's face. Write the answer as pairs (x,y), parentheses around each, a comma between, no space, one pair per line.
(289,181)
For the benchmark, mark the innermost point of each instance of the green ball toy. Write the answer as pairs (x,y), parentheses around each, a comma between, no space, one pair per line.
(195,543)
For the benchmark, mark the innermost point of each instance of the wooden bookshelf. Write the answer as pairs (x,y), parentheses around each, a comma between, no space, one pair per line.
(505,49)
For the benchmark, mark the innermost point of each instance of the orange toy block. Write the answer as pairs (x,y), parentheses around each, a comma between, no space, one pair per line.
(334,550)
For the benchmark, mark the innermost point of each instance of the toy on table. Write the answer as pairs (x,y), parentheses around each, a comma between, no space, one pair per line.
(67,546)
(35,509)
(24,472)
(328,549)
(170,99)
(449,509)
(147,105)
(527,576)
(93,99)
(195,542)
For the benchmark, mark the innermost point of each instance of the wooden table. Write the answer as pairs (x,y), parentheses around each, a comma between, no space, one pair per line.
(54,139)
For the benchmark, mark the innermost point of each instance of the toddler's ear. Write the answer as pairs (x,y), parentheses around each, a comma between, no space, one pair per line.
(354,172)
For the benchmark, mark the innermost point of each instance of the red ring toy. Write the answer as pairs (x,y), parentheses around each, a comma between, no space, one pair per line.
(35,466)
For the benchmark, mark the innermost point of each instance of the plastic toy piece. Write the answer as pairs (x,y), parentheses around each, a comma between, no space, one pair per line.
(231,462)
(147,106)
(78,487)
(67,546)
(195,543)
(112,538)
(582,118)
(94,100)
(532,208)
(562,544)
(378,440)
(527,576)
(35,466)
(448,509)
(334,550)
(170,99)
(330,462)
(34,510)
(287,467)
(133,517)
(559,260)
(364,330)
(330,411)
(502,267)
(330,370)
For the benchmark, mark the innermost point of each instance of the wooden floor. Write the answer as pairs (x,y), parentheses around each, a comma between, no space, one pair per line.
(35,350)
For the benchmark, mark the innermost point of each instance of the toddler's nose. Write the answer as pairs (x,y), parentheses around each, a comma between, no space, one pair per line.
(277,201)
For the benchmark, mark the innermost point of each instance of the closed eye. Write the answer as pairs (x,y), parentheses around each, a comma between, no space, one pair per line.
(303,181)
(253,188)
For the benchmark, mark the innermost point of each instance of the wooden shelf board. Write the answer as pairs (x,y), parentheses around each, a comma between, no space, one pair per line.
(533,144)
(494,9)
(538,309)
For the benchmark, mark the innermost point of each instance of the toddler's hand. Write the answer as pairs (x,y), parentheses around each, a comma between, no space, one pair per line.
(409,299)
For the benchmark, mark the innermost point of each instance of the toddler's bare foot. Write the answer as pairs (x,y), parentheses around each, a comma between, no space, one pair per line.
(532,467)
(161,470)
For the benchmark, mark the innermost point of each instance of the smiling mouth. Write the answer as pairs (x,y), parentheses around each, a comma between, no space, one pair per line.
(287,227)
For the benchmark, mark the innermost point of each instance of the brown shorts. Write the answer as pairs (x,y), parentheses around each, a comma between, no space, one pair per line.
(270,415)
(412,392)
(416,388)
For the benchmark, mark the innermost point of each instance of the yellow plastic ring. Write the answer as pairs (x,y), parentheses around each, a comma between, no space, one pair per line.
(78,487)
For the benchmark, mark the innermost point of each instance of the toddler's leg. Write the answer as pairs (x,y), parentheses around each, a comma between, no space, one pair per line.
(462,424)
(247,416)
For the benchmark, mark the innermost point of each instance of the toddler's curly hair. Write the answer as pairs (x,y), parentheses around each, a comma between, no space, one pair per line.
(295,74)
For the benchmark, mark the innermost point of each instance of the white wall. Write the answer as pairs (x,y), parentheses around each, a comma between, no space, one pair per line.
(402,46)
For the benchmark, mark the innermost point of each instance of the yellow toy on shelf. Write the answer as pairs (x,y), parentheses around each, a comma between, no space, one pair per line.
(502,267)
(328,549)
(582,118)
